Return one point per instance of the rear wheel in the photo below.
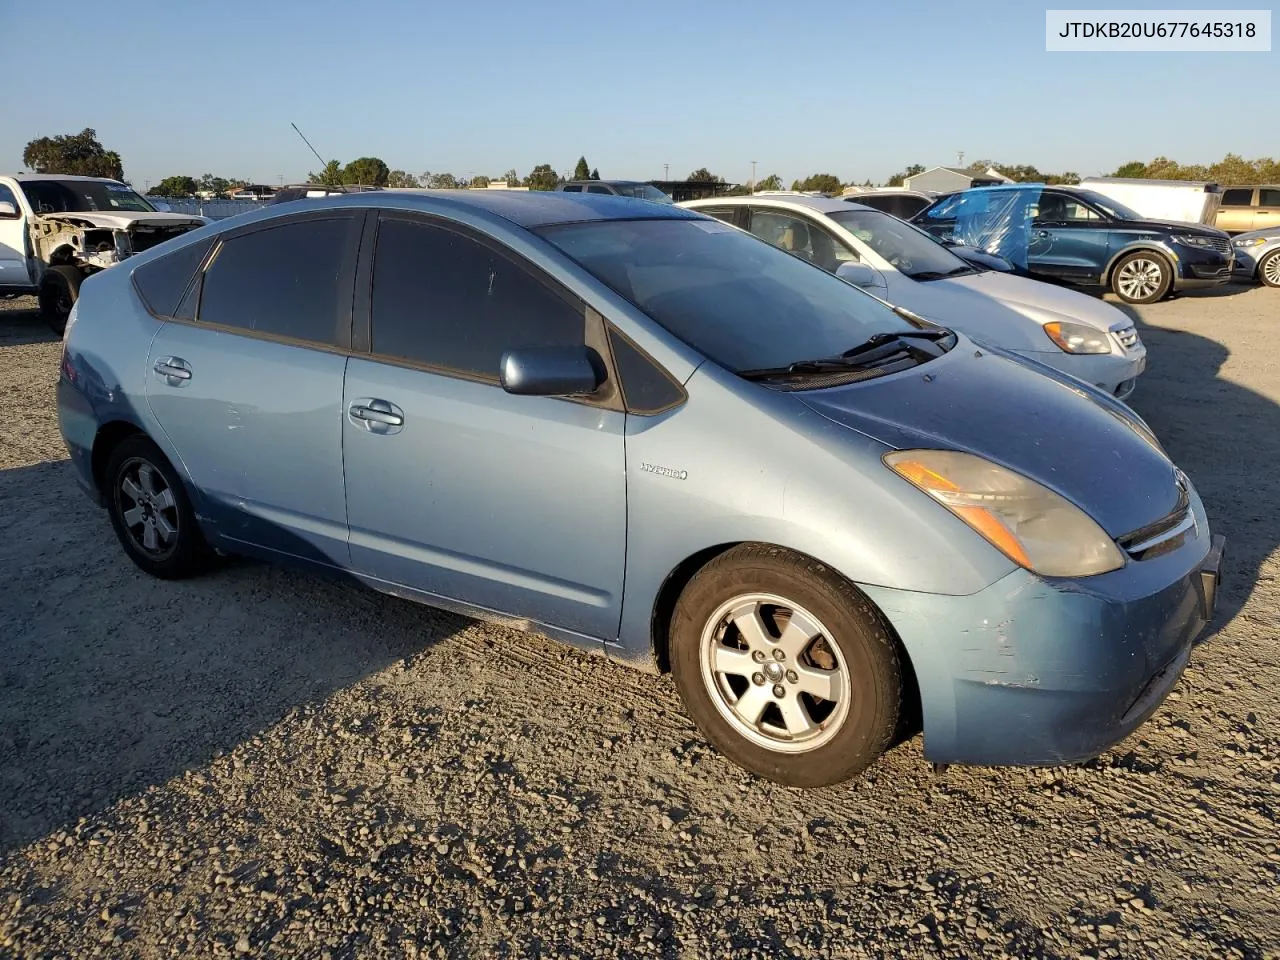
(1142, 277)
(151, 514)
(785, 667)
(1269, 269)
(58, 293)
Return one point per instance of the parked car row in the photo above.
(648, 433)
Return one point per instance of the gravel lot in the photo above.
(263, 764)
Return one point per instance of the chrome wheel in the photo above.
(1139, 278)
(774, 674)
(1269, 273)
(148, 508)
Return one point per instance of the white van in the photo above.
(1190, 201)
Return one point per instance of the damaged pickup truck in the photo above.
(56, 230)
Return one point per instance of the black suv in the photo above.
(1077, 236)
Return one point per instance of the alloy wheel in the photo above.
(1139, 278)
(1271, 270)
(148, 508)
(774, 674)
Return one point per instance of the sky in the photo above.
(857, 89)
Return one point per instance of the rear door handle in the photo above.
(376, 412)
(175, 370)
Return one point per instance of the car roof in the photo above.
(525, 208)
(782, 201)
(617, 183)
(62, 176)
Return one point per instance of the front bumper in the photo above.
(1197, 269)
(1041, 672)
(1114, 373)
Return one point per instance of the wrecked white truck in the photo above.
(56, 230)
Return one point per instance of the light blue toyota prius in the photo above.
(650, 435)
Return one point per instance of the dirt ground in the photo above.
(263, 764)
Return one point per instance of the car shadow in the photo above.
(1218, 432)
(21, 323)
(106, 684)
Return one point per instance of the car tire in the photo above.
(1142, 277)
(805, 631)
(1269, 269)
(58, 293)
(151, 513)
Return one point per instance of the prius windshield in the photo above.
(739, 301)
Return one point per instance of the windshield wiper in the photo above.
(941, 275)
(875, 348)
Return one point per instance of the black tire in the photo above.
(1143, 276)
(184, 555)
(1269, 269)
(59, 291)
(870, 717)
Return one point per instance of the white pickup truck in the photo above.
(56, 230)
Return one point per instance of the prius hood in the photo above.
(1073, 440)
(122, 221)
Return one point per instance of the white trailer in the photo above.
(1190, 201)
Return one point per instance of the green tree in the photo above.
(898, 178)
(330, 176)
(398, 178)
(1134, 168)
(477, 182)
(595, 174)
(214, 185)
(771, 182)
(511, 178)
(822, 182)
(703, 175)
(542, 177)
(369, 171)
(582, 171)
(175, 187)
(78, 154)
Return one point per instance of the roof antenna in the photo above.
(308, 143)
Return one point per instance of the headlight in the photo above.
(1031, 525)
(1251, 242)
(1078, 338)
(1194, 241)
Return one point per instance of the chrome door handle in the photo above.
(377, 411)
(173, 368)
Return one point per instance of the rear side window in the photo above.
(293, 281)
(596, 189)
(573, 188)
(1237, 197)
(446, 300)
(1269, 197)
(162, 282)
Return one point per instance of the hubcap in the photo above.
(774, 673)
(1271, 270)
(148, 508)
(1139, 279)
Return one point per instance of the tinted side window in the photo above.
(1237, 197)
(727, 214)
(593, 188)
(162, 282)
(646, 387)
(291, 281)
(573, 188)
(446, 300)
(1269, 197)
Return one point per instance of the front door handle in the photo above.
(174, 370)
(376, 411)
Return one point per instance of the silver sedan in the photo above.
(1258, 256)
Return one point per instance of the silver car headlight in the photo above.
(1078, 337)
(1251, 242)
(1030, 524)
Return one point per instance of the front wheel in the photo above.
(1269, 269)
(1142, 277)
(785, 667)
(58, 292)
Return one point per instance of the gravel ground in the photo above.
(263, 764)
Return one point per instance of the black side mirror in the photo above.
(551, 371)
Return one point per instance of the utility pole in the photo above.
(666, 171)
(960, 158)
(753, 176)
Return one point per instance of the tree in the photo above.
(898, 178)
(330, 176)
(542, 178)
(582, 171)
(595, 174)
(822, 182)
(369, 171)
(1134, 168)
(217, 186)
(175, 187)
(512, 178)
(78, 154)
(703, 175)
(771, 182)
(478, 182)
(398, 178)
